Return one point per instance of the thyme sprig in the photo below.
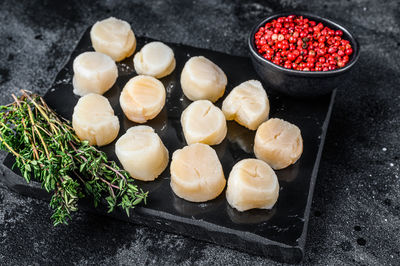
(47, 149)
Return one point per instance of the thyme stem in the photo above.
(48, 150)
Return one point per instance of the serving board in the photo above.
(279, 233)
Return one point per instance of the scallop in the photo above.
(93, 73)
(196, 173)
(247, 104)
(142, 153)
(203, 122)
(201, 79)
(113, 37)
(94, 120)
(155, 59)
(142, 98)
(252, 184)
(278, 143)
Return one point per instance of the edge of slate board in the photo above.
(197, 229)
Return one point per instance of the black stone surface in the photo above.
(356, 206)
(279, 233)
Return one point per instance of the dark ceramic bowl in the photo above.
(302, 83)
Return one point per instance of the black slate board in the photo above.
(279, 233)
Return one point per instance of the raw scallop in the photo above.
(142, 98)
(247, 104)
(93, 73)
(201, 79)
(278, 143)
(113, 37)
(196, 173)
(252, 184)
(154, 59)
(94, 120)
(203, 122)
(142, 153)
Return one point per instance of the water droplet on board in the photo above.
(66, 80)
(124, 68)
(174, 110)
(169, 88)
(280, 229)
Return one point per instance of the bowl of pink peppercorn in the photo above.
(301, 54)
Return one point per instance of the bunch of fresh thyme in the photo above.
(47, 149)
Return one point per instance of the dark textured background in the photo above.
(355, 217)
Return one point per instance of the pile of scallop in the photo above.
(196, 172)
